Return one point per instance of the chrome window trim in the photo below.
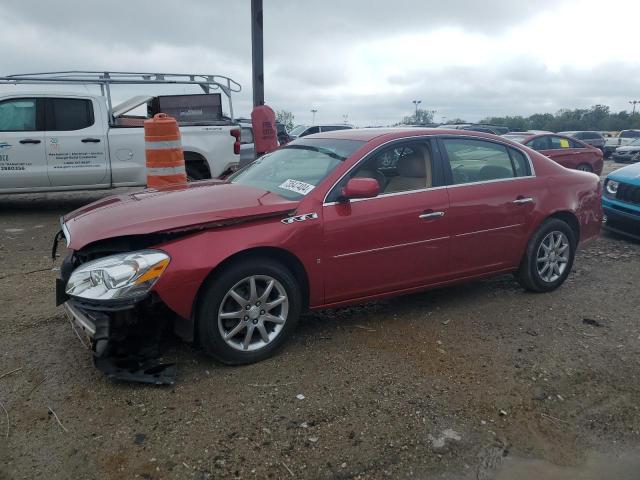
(385, 195)
(431, 136)
(495, 180)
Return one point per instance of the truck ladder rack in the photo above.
(106, 79)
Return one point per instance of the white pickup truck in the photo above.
(57, 142)
(65, 142)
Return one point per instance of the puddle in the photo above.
(597, 466)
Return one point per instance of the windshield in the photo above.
(295, 170)
(298, 130)
(630, 134)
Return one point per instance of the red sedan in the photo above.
(328, 220)
(568, 152)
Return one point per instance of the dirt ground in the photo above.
(478, 381)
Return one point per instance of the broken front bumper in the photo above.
(124, 339)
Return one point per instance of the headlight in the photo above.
(124, 276)
(611, 188)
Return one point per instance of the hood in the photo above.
(172, 209)
(629, 174)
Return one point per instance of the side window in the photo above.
(329, 128)
(66, 114)
(400, 168)
(246, 135)
(477, 161)
(310, 131)
(558, 143)
(18, 115)
(540, 143)
(520, 163)
(574, 144)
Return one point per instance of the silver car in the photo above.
(595, 139)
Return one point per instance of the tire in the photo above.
(248, 316)
(532, 274)
(193, 172)
(584, 167)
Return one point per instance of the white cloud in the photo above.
(366, 59)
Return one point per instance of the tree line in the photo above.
(597, 117)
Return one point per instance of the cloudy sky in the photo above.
(365, 59)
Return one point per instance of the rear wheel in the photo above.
(584, 167)
(248, 311)
(194, 172)
(549, 257)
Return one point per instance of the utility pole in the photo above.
(257, 52)
(416, 103)
(313, 111)
(634, 103)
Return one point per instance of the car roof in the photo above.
(368, 134)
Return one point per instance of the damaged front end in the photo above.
(109, 301)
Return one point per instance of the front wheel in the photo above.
(549, 257)
(584, 167)
(248, 311)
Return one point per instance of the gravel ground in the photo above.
(478, 381)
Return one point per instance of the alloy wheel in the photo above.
(253, 313)
(553, 256)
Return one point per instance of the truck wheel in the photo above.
(248, 311)
(548, 258)
(193, 172)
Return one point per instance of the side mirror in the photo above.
(361, 188)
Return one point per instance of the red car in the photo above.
(328, 220)
(568, 152)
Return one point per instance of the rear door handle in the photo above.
(523, 200)
(90, 140)
(30, 140)
(431, 215)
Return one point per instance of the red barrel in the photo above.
(163, 151)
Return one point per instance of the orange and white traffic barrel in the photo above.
(163, 151)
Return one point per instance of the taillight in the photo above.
(236, 145)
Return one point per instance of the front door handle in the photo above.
(90, 140)
(523, 200)
(431, 215)
(30, 140)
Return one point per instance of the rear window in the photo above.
(65, 114)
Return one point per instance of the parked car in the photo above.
(568, 152)
(480, 128)
(595, 139)
(629, 153)
(477, 127)
(621, 201)
(328, 220)
(624, 138)
(304, 130)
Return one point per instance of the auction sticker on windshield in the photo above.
(297, 186)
